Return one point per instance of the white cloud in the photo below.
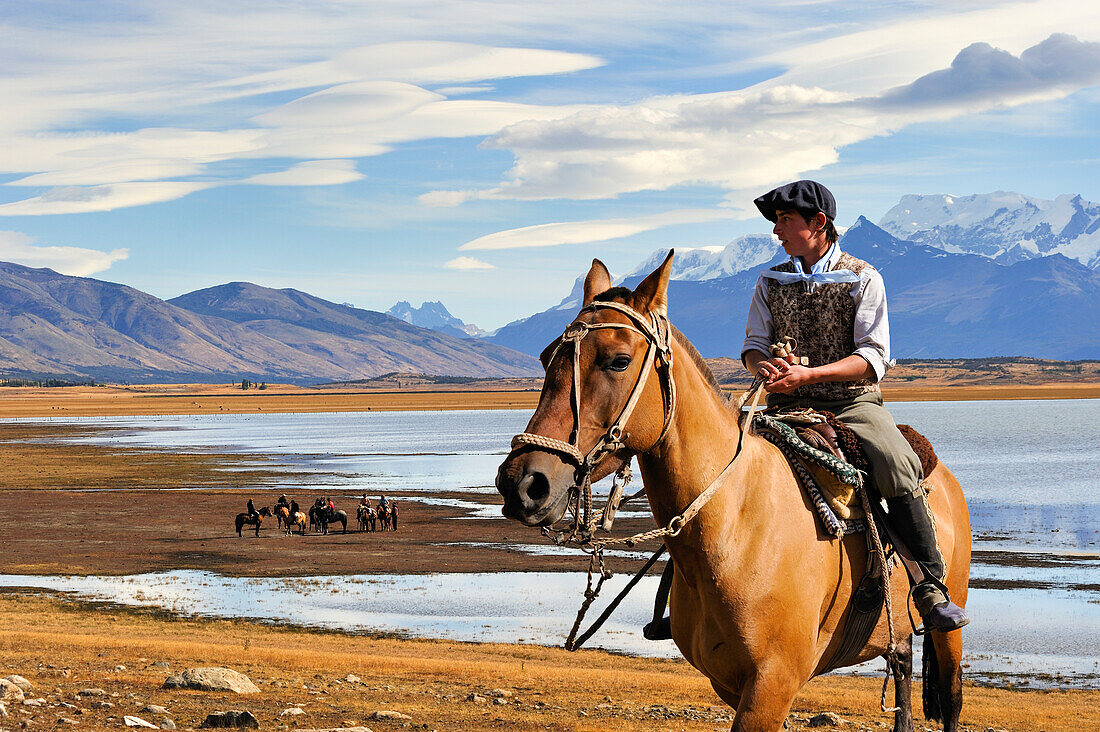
(310, 173)
(744, 140)
(467, 263)
(18, 247)
(417, 62)
(584, 232)
(74, 199)
(446, 199)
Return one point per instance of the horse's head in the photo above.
(602, 400)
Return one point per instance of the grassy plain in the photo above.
(63, 647)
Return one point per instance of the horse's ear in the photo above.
(597, 281)
(651, 294)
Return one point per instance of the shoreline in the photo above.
(338, 678)
(152, 400)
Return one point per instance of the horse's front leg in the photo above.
(902, 669)
(766, 699)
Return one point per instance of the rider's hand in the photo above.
(774, 368)
(791, 376)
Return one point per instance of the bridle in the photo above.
(657, 332)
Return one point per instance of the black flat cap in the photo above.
(805, 196)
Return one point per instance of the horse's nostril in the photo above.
(536, 486)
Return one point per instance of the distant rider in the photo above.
(251, 509)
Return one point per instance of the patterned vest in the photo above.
(823, 323)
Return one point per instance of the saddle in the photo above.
(829, 461)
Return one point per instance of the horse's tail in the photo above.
(930, 673)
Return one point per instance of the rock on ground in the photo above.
(9, 692)
(232, 718)
(292, 712)
(387, 714)
(91, 692)
(212, 679)
(167, 724)
(154, 709)
(825, 719)
(20, 682)
(131, 721)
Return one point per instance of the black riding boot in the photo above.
(660, 628)
(909, 516)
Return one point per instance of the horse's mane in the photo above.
(696, 358)
(700, 364)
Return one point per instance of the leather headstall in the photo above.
(657, 332)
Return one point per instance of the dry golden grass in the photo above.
(62, 647)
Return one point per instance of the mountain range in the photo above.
(53, 324)
(996, 274)
(435, 315)
(1004, 226)
(942, 304)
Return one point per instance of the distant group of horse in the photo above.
(318, 518)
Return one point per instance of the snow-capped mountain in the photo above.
(708, 263)
(1004, 226)
(942, 304)
(434, 315)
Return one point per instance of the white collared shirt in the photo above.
(872, 327)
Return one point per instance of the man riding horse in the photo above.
(834, 306)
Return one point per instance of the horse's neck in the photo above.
(699, 445)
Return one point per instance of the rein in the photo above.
(657, 331)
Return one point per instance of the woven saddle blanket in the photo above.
(831, 482)
(832, 479)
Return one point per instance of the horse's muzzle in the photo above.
(534, 494)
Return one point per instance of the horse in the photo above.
(289, 522)
(247, 519)
(384, 517)
(322, 517)
(368, 518)
(760, 593)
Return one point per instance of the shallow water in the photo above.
(539, 607)
(1028, 468)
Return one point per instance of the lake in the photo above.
(1028, 468)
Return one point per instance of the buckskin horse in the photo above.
(246, 519)
(760, 593)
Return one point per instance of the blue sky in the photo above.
(481, 153)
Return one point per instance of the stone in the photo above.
(9, 692)
(102, 705)
(825, 719)
(120, 667)
(160, 664)
(66, 720)
(501, 693)
(132, 721)
(500, 700)
(20, 682)
(233, 718)
(477, 698)
(292, 712)
(34, 702)
(352, 679)
(389, 714)
(212, 679)
(91, 692)
(155, 709)
(3, 710)
(167, 724)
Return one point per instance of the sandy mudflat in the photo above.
(339, 679)
(26, 402)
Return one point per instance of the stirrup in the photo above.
(656, 630)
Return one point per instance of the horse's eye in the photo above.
(619, 363)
